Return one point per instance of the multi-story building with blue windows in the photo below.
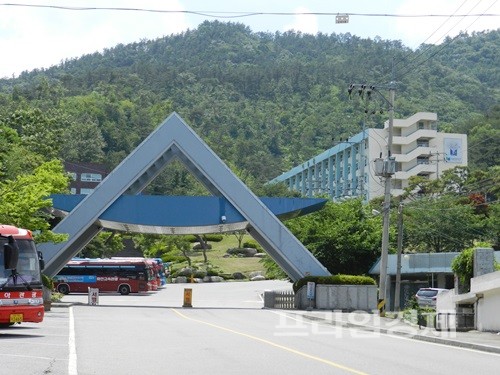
(347, 169)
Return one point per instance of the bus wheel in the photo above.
(124, 289)
(63, 288)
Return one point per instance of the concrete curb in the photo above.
(420, 337)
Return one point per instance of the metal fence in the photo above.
(279, 299)
(451, 321)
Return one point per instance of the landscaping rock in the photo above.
(181, 279)
(257, 278)
(255, 273)
(185, 272)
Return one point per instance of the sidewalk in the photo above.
(483, 341)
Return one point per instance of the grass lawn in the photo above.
(224, 265)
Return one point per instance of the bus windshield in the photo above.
(28, 266)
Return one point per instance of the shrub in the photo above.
(463, 266)
(47, 282)
(334, 280)
(199, 274)
(212, 272)
(213, 237)
(191, 238)
(173, 258)
(186, 271)
(208, 237)
(251, 244)
(273, 271)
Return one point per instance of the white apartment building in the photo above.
(347, 169)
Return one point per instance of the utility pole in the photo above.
(384, 168)
(397, 291)
(389, 171)
(436, 154)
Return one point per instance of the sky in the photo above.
(39, 37)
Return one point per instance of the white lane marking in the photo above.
(72, 367)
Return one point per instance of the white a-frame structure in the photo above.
(175, 139)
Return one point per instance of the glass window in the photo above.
(86, 191)
(91, 177)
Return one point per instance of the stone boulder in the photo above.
(186, 271)
(238, 276)
(257, 278)
(255, 273)
(181, 279)
(246, 252)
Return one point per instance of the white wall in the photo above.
(488, 309)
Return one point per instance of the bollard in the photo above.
(188, 295)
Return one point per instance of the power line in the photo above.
(411, 68)
(440, 26)
(233, 14)
(421, 53)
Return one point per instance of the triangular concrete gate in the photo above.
(175, 139)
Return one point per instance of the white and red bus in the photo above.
(21, 295)
(155, 278)
(108, 275)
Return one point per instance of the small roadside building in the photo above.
(422, 270)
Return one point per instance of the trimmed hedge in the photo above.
(208, 237)
(251, 244)
(334, 280)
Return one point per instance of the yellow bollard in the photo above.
(188, 296)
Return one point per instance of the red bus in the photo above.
(107, 275)
(21, 295)
(154, 277)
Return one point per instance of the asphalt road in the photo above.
(225, 332)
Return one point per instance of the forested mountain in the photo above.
(264, 102)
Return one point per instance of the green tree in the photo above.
(82, 141)
(345, 237)
(441, 224)
(25, 202)
(169, 248)
(104, 245)
(451, 213)
(40, 131)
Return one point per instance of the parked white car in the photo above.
(426, 297)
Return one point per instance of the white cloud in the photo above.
(306, 23)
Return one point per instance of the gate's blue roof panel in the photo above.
(187, 212)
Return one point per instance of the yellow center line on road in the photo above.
(318, 359)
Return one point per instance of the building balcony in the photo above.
(413, 120)
(417, 169)
(414, 137)
(419, 151)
